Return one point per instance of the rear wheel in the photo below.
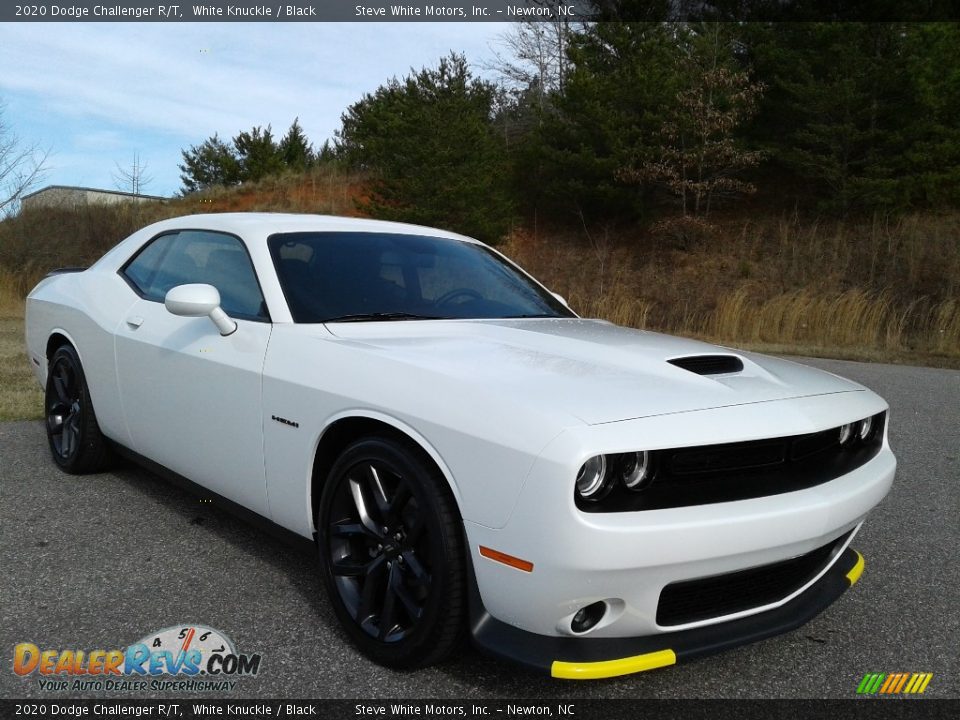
(392, 553)
(76, 442)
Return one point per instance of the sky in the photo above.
(95, 95)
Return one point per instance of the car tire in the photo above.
(392, 553)
(76, 443)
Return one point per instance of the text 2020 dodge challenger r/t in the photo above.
(466, 452)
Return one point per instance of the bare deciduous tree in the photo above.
(21, 167)
(534, 56)
(700, 157)
(132, 179)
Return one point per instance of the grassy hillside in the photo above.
(868, 289)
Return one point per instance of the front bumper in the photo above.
(550, 559)
(626, 559)
(582, 658)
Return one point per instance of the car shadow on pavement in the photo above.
(212, 525)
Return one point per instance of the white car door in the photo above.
(191, 398)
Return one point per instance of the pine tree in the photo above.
(432, 145)
(295, 150)
(209, 164)
(258, 153)
(842, 107)
(623, 78)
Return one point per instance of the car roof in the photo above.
(254, 225)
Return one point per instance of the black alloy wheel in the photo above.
(76, 443)
(391, 543)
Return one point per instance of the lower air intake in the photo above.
(712, 597)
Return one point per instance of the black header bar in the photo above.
(445, 709)
(476, 10)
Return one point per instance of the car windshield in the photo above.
(357, 277)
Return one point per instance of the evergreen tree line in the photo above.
(626, 120)
(252, 155)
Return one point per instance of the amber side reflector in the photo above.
(510, 560)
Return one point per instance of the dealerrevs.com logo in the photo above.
(185, 658)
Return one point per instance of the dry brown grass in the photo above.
(854, 320)
(20, 398)
(14, 288)
(874, 290)
(326, 190)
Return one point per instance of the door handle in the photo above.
(135, 321)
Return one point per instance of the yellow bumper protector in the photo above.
(857, 570)
(612, 668)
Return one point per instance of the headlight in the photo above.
(592, 480)
(855, 434)
(635, 470)
(847, 434)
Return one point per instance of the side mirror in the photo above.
(199, 300)
(561, 298)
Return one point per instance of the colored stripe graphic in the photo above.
(864, 684)
(901, 681)
(870, 683)
(894, 683)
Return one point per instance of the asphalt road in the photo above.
(101, 561)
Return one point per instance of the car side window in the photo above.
(198, 256)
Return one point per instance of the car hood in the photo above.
(589, 369)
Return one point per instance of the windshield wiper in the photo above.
(533, 315)
(382, 317)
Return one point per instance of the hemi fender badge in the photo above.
(291, 423)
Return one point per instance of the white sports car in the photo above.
(465, 452)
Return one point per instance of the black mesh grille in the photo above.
(732, 456)
(712, 597)
(709, 364)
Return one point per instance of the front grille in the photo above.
(738, 471)
(732, 456)
(713, 597)
(709, 364)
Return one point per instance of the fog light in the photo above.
(865, 429)
(592, 478)
(846, 434)
(587, 617)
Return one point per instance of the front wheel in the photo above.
(392, 553)
(76, 442)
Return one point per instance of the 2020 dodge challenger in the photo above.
(466, 452)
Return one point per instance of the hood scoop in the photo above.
(709, 364)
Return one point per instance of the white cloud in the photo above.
(96, 93)
(192, 80)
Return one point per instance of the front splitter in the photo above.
(594, 658)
